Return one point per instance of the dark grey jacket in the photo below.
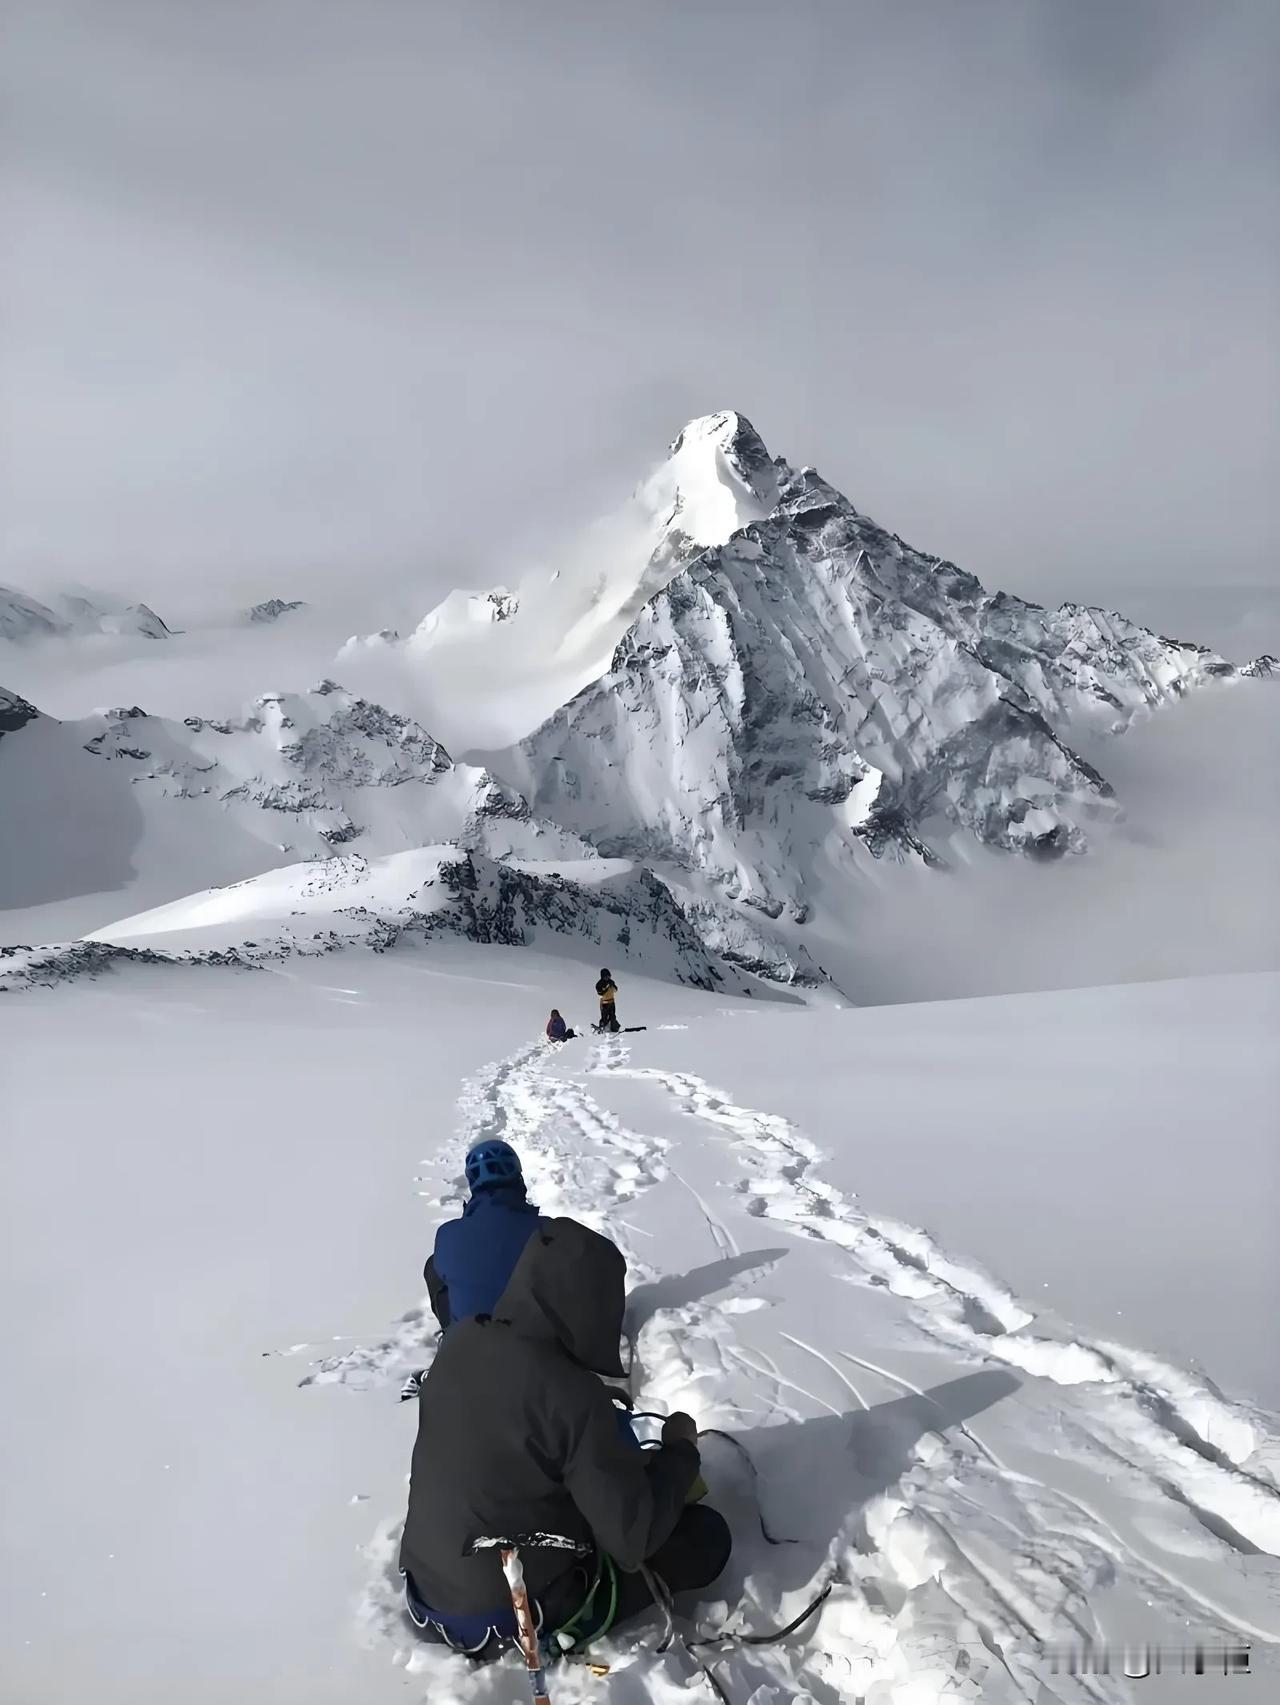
(517, 1435)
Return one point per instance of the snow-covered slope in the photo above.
(73, 614)
(989, 1448)
(810, 686)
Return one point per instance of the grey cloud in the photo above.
(298, 296)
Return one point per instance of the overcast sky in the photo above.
(300, 295)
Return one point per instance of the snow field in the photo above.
(957, 1555)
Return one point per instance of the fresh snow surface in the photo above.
(986, 1289)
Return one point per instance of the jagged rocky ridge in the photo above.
(61, 962)
(812, 686)
(15, 712)
(271, 609)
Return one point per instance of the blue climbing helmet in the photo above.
(492, 1162)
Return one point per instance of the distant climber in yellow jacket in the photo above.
(607, 990)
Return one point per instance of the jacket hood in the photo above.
(510, 1193)
(570, 1285)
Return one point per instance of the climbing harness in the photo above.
(568, 1642)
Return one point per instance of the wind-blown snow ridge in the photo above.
(460, 612)
(717, 478)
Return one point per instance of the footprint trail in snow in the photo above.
(952, 1568)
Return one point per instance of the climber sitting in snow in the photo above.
(557, 1029)
(474, 1256)
(517, 1435)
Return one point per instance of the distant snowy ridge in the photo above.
(810, 685)
(625, 915)
(62, 962)
(298, 773)
(303, 774)
(73, 614)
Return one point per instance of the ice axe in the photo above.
(526, 1632)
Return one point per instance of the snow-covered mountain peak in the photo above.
(718, 477)
(810, 690)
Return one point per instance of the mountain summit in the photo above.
(801, 688)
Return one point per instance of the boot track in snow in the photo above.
(954, 1575)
